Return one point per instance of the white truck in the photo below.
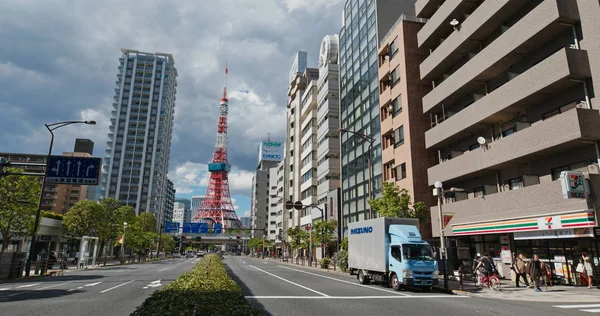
(391, 251)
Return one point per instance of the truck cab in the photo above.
(411, 260)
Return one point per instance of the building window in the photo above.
(515, 183)
(401, 172)
(474, 146)
(399, 136)
(395, 77)
(393, 49)
(396, 106)
(478, 192)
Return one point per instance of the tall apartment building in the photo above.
(196, 202)
(403, 124)
(270, 154)
(57, 198)
(514, 120)
(186, 202)
(301, 156)
(179, 212)
(137, 154)
(169, 202)
(278, 189)
(364, 24)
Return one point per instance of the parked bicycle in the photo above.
(492, 281)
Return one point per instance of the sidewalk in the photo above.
(508, 291)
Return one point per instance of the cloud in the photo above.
(192, 177)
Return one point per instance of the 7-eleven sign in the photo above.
(447, 218)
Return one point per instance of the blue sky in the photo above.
(59, 62)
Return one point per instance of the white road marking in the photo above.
(354, 297)
(86, 285)
(114, 287)
(344, 281)
(119, 271)
(5, 289)
(153, 284)
(265, 262)
(42, 288)
(591, 310)
(296, 284)
(27, 285)
(162, 269)
(244, 262)
(577, 306)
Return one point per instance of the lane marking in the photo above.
(354, 297)
(243, 262)
(288, 281)
(348, 282)
(114, 287)
(86, 285)
(265, 262)
(591, 310)
(577, 306)
(42, 288)
(153, 284)
(162, 269)
(5, 289)
(119, 271)
(27, 285)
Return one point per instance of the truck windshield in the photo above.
(417, 252)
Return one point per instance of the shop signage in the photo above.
(573, 184)
(556, 234)
(546, 223)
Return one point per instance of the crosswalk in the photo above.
(589, 308)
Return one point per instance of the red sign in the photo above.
(447, 218)
(307, 227)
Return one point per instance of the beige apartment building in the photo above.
(515, 123)
(403, 124)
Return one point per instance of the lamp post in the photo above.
(371, 140)
(51, 127)
(439, 192)
(123, 244)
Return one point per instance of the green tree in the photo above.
(255, 243)
(83, 218)
(395, 202)
(140, 233)
(18, 205)
(323, 231)
(167, 244)
(110, 221)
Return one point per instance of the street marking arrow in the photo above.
(153, 284)
(87, 173)
(78, 166)
(57, 167)
(68, 167)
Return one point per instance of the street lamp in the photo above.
(51, 127)
(123, 244)
(371, 140)
(439, 192)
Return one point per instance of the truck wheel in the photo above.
(427, 289)
(395, 283)
(362, 278)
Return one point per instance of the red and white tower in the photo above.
(217, 206)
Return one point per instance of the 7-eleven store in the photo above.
(563, 228)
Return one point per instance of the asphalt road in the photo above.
(115, 290)
(282, 289)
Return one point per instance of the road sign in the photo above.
(298, 205)
(191, 228)
(289, 205)
(172, 227)
(73, 170)
(203, 228)
(307, 227)
(218, 228)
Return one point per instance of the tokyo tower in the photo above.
(217, 208)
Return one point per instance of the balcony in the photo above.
(555, 134)
(535, 200)
(387, 125)
(528, 34)
(473, 30)
(387, 154)
(552, 75)
(426, 8)
(439, 24)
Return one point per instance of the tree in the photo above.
(395, 202)
(323, 231)
(18, 205)
(83, 218)
(167, 244)
(255, 243)
(141, 231)
(110, 221)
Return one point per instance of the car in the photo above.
(176, 255)
(189, 254)
(200, 254)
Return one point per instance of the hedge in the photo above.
(52, 215)
(205, 290)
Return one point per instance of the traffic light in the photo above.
(281, 231)
(239, 237)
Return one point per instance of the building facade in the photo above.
(277, 190)
(169, 202)
(404, 158)
(246, 222)
(179, 212)
(138, 149)
(364, 24)
(514, 113)
(270, 154)
(196, 202)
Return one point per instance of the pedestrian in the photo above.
(520, 270)
(535, 272)
(587, 269)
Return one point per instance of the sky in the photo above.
(58, 62)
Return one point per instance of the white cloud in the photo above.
(190, 177)
(311, 5)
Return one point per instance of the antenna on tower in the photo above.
(225, 85)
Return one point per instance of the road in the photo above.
(115, 290)
(283, 289)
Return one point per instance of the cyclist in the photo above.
(485, 267)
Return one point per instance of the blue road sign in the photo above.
(218, 228)
(172, 227)
(203, 228)
(73, 170)
(191, 228)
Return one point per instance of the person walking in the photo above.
(535, 272)
(520, 270)
(588, 269)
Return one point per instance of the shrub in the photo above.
(341, 258)
(205, 290)
(51, 215)
(325, 263)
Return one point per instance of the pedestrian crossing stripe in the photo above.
(589, 308)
